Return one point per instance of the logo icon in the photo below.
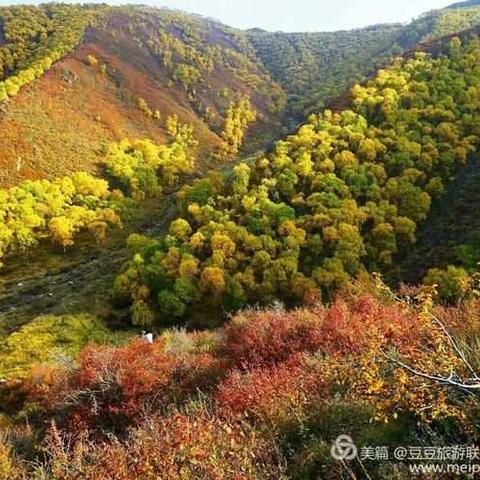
(343, 448)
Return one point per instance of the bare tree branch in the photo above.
(470, 388)
(452, 341)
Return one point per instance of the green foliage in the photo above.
(451, 21)
(46, 340)
(344, 194)
(453, 283)
(311, 68)
(35, 38)
(451, 234)
(200, 191)
(194, 51)
(314, 68)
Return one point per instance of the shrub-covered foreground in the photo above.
(263, 397)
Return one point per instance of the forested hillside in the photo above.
(316, 67)
(69, 73)
(269, 291)
(131, 70)
(345, 194)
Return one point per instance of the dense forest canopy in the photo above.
(33, 38)
(346, 193)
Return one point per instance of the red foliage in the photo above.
(196, 446)
(115, 386)
(271, 336)
(274, 394)
(273, 367)
(463, 320)
(350, 327)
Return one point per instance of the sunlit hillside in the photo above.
(238, 255)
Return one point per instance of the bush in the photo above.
(49, 339)
(182, 446)
(453, 283)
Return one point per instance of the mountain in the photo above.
(93, 75)
(307, 308)
(313, 68)
(131, 69)
(345, 194)
(464, 4)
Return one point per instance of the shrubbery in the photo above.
(143, 168)
(261, 395)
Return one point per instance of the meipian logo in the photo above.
(343, 448)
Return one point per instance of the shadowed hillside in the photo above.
(315, 67)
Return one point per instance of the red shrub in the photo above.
(463, 320)
(274, 394)
(268, 337)
(354, 327)
(115, 386)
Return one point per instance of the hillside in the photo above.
(451, 236)
(264, 397)
(119, 72)
(345, 194)
(207, 275)
(114, 83)
(313, 68)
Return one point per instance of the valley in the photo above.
(226, 253)
(54, 280)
